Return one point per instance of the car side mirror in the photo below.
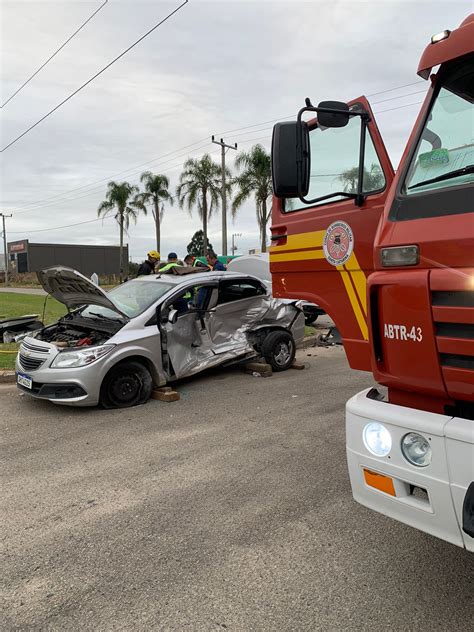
(290, 159)
(173, 316)
(339, 118)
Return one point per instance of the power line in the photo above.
(59, 198)
(54, 54)
(43, 230)
(238, 129)
(248, 140)
(95, 76)
(406, 85)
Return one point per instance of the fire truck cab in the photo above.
(390, 257)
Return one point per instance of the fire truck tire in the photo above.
(279, 349)
(127, 384)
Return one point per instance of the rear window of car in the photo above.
(237, 290)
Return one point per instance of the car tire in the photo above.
(309, 319)
(127, 384)
(279, 350)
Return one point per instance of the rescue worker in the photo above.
(171, 263)
(214, 262)
(148, 266)
(189, 260)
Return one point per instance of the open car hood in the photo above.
(73, 289)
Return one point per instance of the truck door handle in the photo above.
(276, 237)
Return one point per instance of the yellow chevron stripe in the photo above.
(354, 302)
(359, 280)
(301, 240)
(351, 270)
(304, 255)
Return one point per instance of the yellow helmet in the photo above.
(153, 254)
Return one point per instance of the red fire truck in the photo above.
(390, 257)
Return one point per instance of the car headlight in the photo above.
(377, 439)
(80, 357)
(416, 449)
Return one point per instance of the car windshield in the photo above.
(445, 153)
(131, 298)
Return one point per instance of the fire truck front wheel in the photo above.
(278, 349)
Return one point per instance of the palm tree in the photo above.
(117, 199)
(200, 184)
(373, 179)
(156, 193)
(256, 178)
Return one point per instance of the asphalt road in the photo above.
(230, 509)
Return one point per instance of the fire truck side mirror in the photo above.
(290, 159)
(333, 119)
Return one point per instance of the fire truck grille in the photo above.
(453, 316)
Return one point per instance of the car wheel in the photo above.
(126, 384)
(279, 349)
(309, 319)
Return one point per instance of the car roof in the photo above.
(196, 278)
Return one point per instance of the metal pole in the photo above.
(234, 247)
(5, 246)
(224, 204)
(223, 191)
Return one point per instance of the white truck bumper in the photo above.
(428, 498)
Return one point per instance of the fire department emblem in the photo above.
(338, 243)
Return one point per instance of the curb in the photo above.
(7, 377)
(308, 341)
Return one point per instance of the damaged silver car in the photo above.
(114, 347)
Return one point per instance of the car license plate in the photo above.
(24, 380)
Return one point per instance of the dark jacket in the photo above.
(146, 268)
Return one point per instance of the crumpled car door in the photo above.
(228, 323)
(188, 344)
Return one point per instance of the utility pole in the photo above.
(234, 247)
(3, 216)
(223, 191)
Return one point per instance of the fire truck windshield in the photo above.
(445, 153)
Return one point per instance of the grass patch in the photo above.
(12, 305)
(7, 360)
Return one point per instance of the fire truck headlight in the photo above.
(400, 256)
(416, 449)
(377, 439)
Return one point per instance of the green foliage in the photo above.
(196, 245)
(373, 179)
(156, 193)
(200, 186)
(117, 201)
(255, 179)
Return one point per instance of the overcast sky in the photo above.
(212, 68)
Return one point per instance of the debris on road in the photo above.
(298, 366)
(165, 394)
(259, 369)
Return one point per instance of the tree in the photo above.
(373, 179)
(196, 245)
(200, 184)
(156, 193)
(117, 199)
(256, 179)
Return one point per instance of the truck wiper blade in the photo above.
(445, 176)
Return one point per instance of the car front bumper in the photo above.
(73, 387)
